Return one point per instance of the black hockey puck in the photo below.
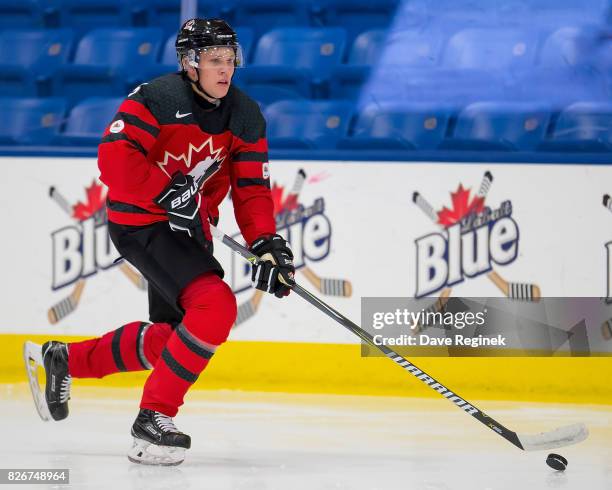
(556, 462)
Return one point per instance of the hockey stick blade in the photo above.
(563, 436)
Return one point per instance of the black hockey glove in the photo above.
(181, 200)
(274, 273)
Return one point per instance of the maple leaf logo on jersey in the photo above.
(208, 160)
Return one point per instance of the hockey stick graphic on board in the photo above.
(63, 308)
(134, 276)
(512, 290)
(560, 437)
(440, 303)
(325, 285)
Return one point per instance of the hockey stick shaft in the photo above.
(391, 354)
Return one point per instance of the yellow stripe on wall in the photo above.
(340, 369)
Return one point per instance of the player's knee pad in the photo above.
(154, 339)
(210, 308)
(137, 345)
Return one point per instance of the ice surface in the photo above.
(260, 441)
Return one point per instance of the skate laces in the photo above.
(65, 389)
(165, 422)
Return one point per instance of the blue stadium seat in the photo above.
(85, 15)
(418, 49)
(265, 95)
(399, 126)
(87, 120)
(451, 88)
(25, 121)
(347, 79)
(569, 47)
(583, 126)
(264, 15)
(356, 16)
(413, 47)
(500, 126)
(559, 13)
(28, 56)
(560, 87)
(166, 14)
(296, 58)
(25, 14)
(246, 38)
(108, 62)
(168, 57)
(491, 49)
(307, 124)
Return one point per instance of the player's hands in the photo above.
(182, 201)
(275, 272)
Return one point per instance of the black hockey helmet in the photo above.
(196, 35)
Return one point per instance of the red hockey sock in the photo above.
(210, 312)
(132, 347)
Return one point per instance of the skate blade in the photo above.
(143, 452)
(32, 356)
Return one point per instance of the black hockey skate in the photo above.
(58, 381)
(157, 441)
(52, 402)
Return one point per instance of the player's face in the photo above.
(216, 68)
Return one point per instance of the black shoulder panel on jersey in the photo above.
(165, 96)
(246, 120)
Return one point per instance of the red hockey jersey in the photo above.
(163, 127)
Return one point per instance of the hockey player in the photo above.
(175, 147)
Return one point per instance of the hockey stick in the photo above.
(512, 290)
(437, 307)
(560, 437)
(66, 306)
(327, 286)
(607, 202)
(135, 277)
(248, 309)
(606, 329)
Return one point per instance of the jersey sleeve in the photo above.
(250, 181)
(122, 153)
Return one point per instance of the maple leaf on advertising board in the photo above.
(96, 196)
(282, 204)
(277, 197)
(462, 206)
